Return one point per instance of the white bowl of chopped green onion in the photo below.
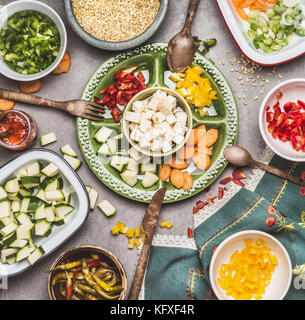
(33, 40)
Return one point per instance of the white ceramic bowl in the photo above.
(73, 221)
(292, 90)
(17, 6)
(281, 277)
(180, 102)
(238, 29)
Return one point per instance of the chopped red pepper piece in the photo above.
(226, 180)
(238, 174)
(220, 193)
(195, 210)
(190, 233)
(239, 183)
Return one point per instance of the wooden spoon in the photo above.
(240, 157)
(181, 49)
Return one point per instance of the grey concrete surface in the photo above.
(32, 284)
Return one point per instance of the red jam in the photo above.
(16, 128)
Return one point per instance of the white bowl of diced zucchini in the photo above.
(42, 203)
(31, 46)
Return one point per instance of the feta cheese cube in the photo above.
(165, 128)
(169, 136)
(138, 106)
(178, 139)
(181, 117)
(156, 133)
(179, 129)
(156, 145)
(171, 101)
(133, 126)
(158, 117)
(148, 114)
(133, 116)
(148, 135)
(171, 119)
(144, 144)
(145, 125)
(166, 146)
(136, 135)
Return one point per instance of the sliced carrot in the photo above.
(195, 134)
(165, 172)
(246, 3)
(186, 152)
(30, 86)
(64, 65)
(177, 178)
(203, 150)
(6, 105)
(188, 184)
(242, 13)
(178, 164)
(201, 161)
(211, 137)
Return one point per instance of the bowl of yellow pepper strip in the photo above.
(250, 265)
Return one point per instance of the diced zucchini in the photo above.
(149, 167)
(11, 260)
(19, 243)
(107, 208)
(49, 213)
(40, 213)
(25, 204)
(6, 221)
(149, 179)
(33, 205)
(12, 227)
(41, 195)
(130, 177)
(104, 150)
(67, 149)
(36, 255)
(59, 221)
(16, 196)
(133, 165)
(22, 172)
(5, 209)
(15, 206)
(12, 185)
(112, 145)
(34, 169)
(24, 232)
(93, 197)
(52, 185)
(73, 162)
(6, 241)
(25, 192)
(55, 195)
(88, 188)
(47, 139)
(103, 134)
(3, 194)
(24, 219)
(5, 253)
(43, 228)
(42, 178)
(62, 210)
(135, 154)
(23, 253)
(119, 162)
(30, 182)
(118, 137)
(50, 170)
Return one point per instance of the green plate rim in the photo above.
(220, 169)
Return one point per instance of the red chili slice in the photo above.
(220, 193)
(190, 233)
(201, 204)
(238, 174)
(239, 183)
(195, 210)
(226, 180)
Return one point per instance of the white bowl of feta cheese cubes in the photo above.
(157, 122)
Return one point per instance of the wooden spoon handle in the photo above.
(30, 99)
(279, 173)
(190, 15)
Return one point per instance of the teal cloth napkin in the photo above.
(177, 272)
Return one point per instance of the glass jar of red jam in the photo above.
(17, 130)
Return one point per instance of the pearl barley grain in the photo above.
(115, 21)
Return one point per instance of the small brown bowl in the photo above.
(81, 252)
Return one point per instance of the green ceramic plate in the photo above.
(151, 60)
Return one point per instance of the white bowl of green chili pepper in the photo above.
(87, 273)
(33, 40)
